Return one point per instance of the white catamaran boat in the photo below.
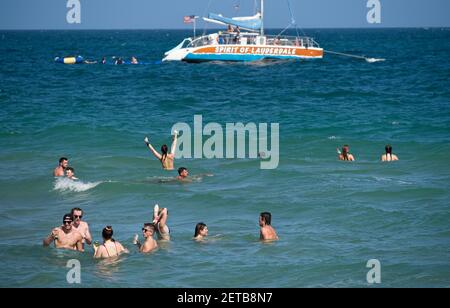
(251, 45)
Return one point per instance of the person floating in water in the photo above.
(389, 156)
(134, 60)
(165, 157)
(267, 232)
(149, 244)
(201, 232)
(70, 173)
(103, 60)
(160, 217)
(110, 247)
(119, 61)
(345, 154)
(81, 226)
(66, 236)
(63, 163)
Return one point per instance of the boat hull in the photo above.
(240, 53)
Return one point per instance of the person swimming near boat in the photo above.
(267, 232)
(110, 247)
(201, 232)
(166, 159)
(70, 174)
(65, 236)
(345, 154)
(119, 61)
(160, 217)
(388, 156)
(134, 60)
(149, 243)
(103, 60)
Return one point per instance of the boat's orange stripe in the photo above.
(252, 50)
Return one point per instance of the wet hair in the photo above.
(150, 225)
(267, 217)
(199, 227)
(164, 150)
(388, 149)
(107, 233)
(76, 209)
(345, 152)
(62, 159)
(70, 169)
(180, 170)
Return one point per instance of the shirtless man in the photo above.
(81, 226)
(149, 244)
(267, 232)
(183, 174)
(160, 217)
(165, 157)
(65, 237)
(70, 174)
(389, 156)
(63, 163)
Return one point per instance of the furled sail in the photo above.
(248, 23)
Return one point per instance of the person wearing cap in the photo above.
(65, 236)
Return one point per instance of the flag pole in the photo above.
(195, 26)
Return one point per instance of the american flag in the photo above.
(189, 19)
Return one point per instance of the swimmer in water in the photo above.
(81, 226)
(103, 60)
(110, 247)
(183, 174)
(63, 163)
(267, 232)
(149, 244)
(119, 61)
(70, 174)
(345, 154)
(389, 156)
(160, 217)
(166, 158)
(134, 60)
(201, 232)
(66, 236)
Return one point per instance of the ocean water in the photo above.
(331, 217)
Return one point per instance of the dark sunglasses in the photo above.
(77, 216)
(146, 230)
(67, 222)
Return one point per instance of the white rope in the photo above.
(370, 60)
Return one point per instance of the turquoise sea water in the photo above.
(332, 217)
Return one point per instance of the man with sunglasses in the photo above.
(65, 237)
(150, 244)
(81, 226)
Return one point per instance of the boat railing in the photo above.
(252, 39)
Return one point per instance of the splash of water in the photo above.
(65, 184)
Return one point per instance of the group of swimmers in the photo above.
(117, 61)
(74, 234)
(63, 169)
(345, 154)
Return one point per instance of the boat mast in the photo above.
(262, 17)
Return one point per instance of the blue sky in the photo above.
(163, 14)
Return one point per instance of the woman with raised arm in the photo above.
(165, 157)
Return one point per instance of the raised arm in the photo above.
(50, 239)
(157, 155)
(162, 219)
(174, 143)
(88, 236)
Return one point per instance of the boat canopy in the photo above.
(252, 23)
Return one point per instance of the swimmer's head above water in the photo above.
(67, 222)
(201, 230)
(265, 219)
(183, 172)
(148, 230)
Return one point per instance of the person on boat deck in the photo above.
(63, 163)
(110, 247)
(134, 60)
(345, 154)
(70, 173)
(389, 156)
(277, 41)
(160, 217)
(230, 29)
(165, 158)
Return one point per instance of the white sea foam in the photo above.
(373, 60)
(65, 184)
